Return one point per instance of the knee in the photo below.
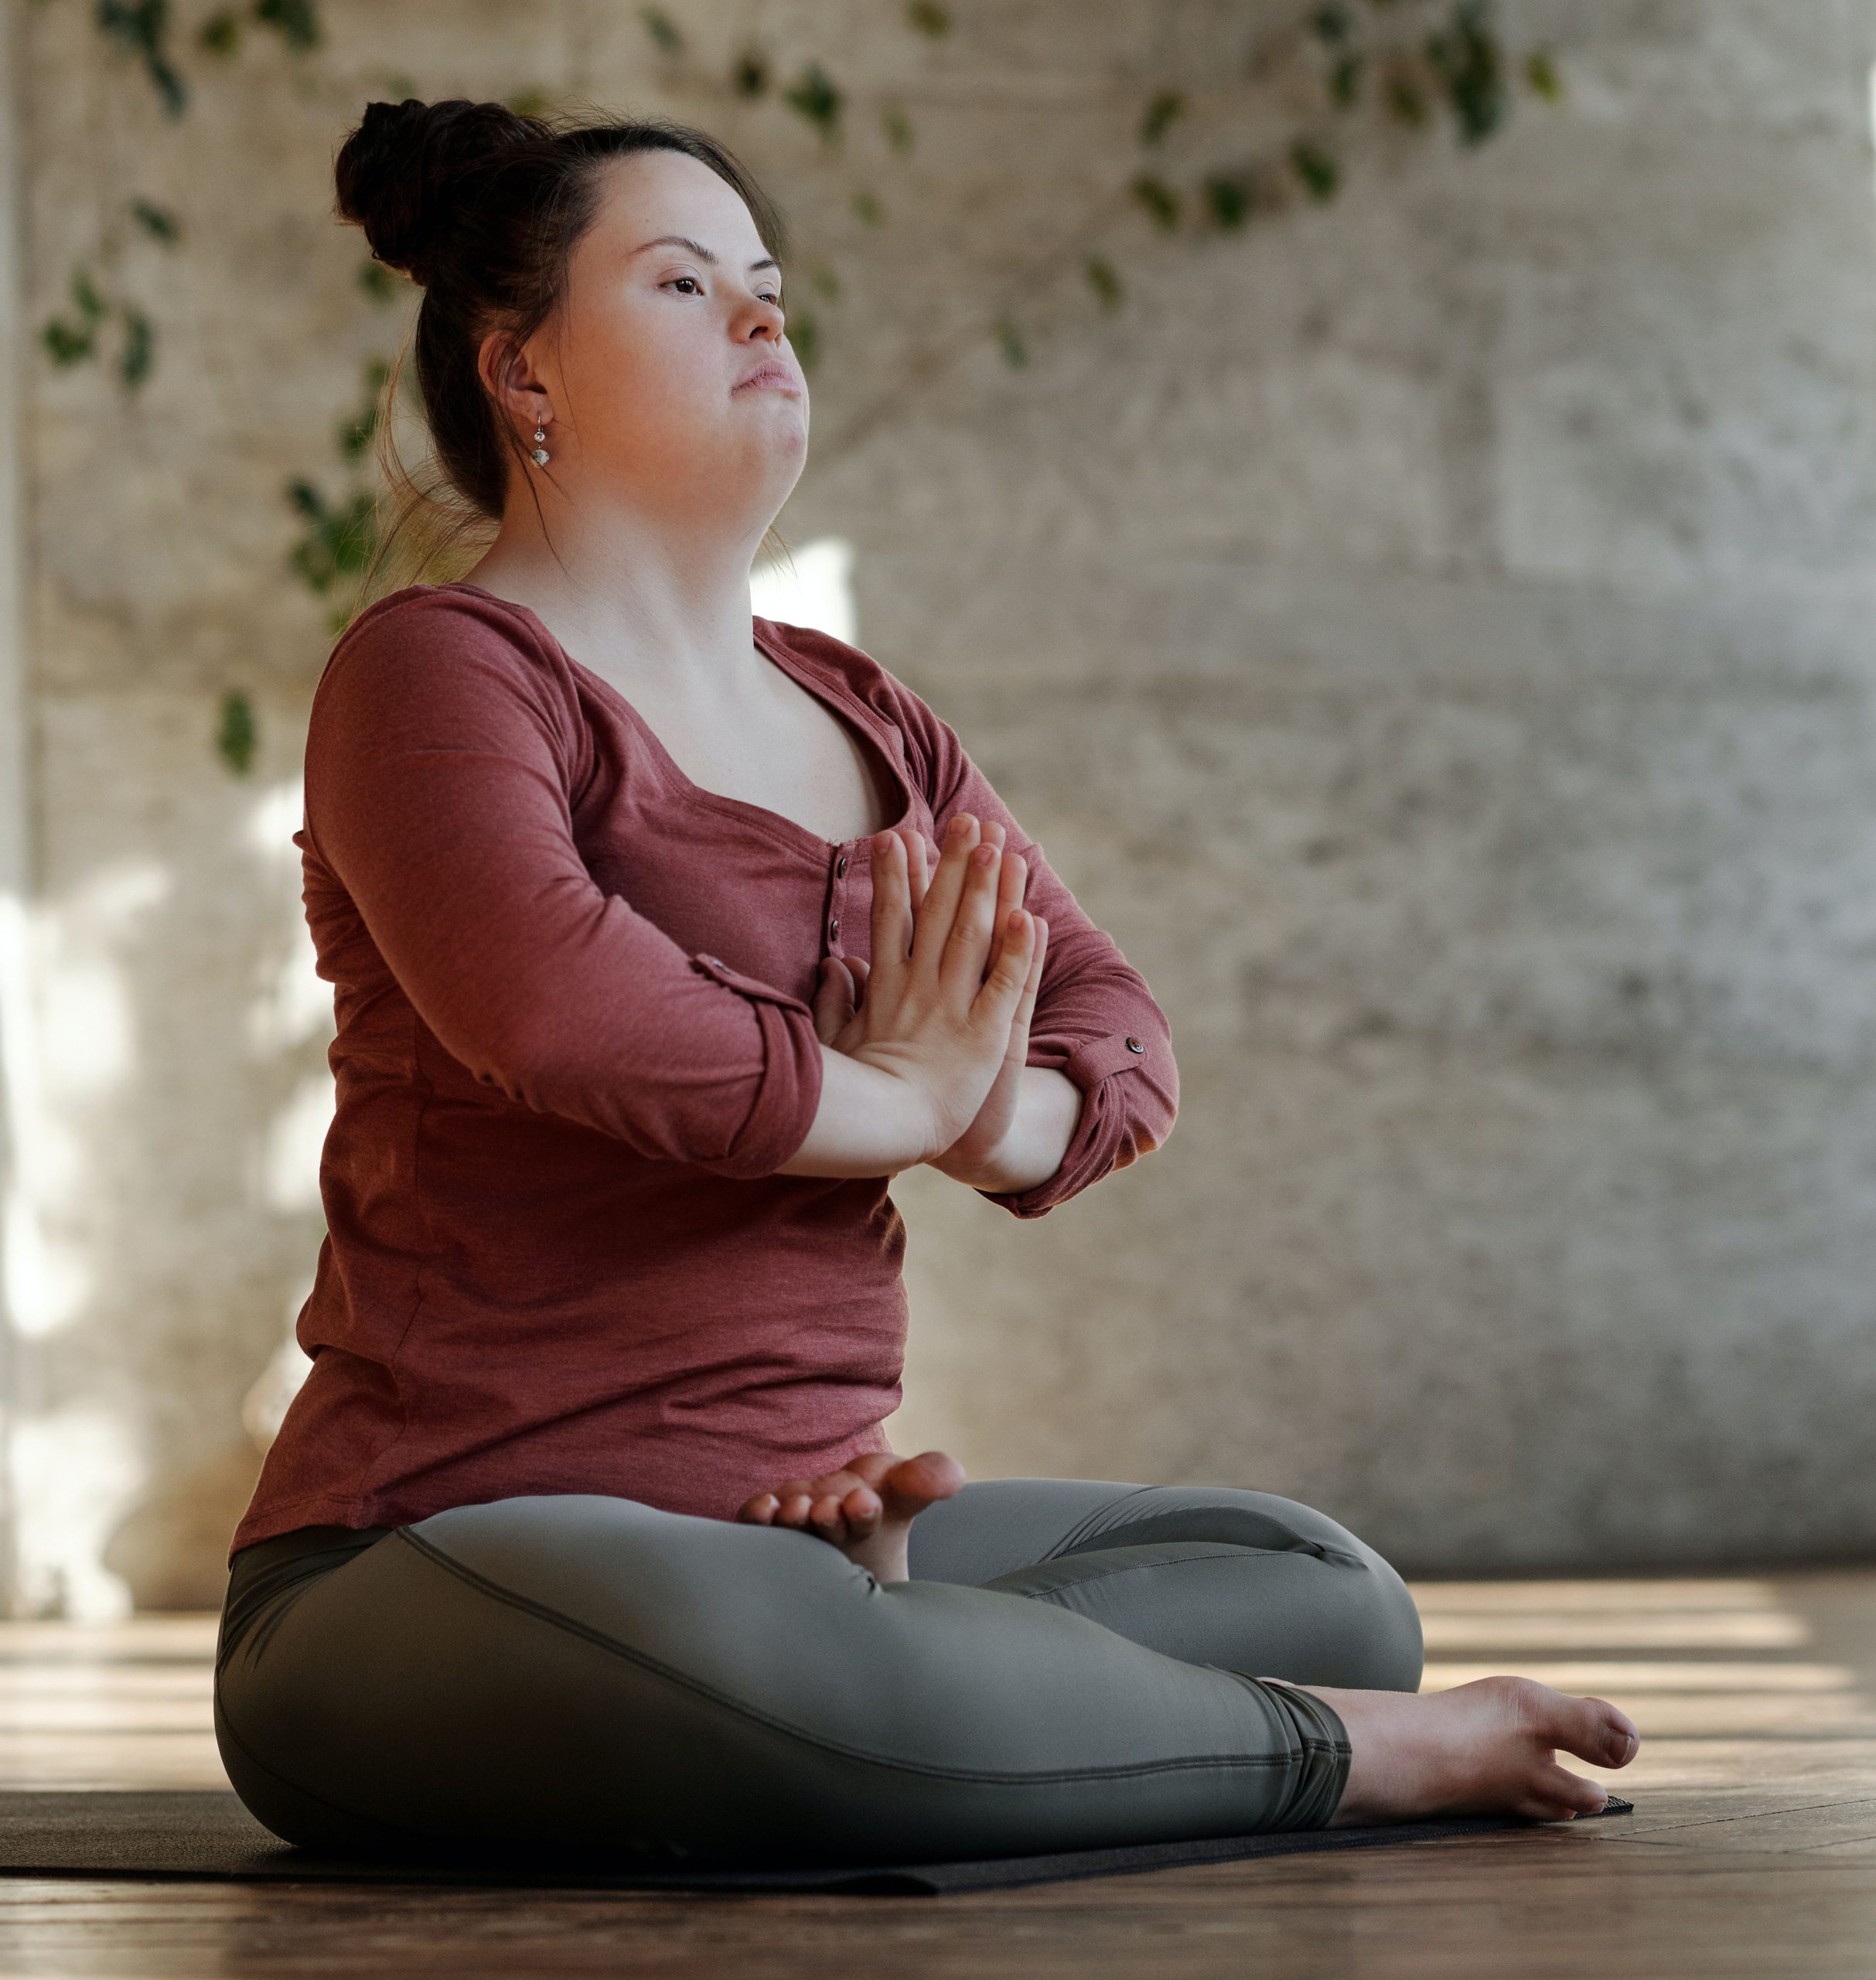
(1385, 1650)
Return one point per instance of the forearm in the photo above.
(1048, 1111)
(867, 1123)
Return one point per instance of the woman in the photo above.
(662, 937)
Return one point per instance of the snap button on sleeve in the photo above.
(1134, 1045)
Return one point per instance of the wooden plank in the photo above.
(1753, 1853)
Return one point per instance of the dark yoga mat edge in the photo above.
(206, 1833)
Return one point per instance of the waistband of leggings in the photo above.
(300, 1541)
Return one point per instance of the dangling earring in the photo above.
(540, 453)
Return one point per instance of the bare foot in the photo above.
(866, 1509)
(1485, 1748)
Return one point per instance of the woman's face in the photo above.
(645, 371)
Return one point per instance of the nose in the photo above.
(768, 317)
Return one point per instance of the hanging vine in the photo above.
(1414, 66)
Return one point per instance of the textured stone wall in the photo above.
(1431, 633)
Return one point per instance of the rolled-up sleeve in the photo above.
(1095, 1021)
(440, 760)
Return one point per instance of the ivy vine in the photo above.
(1414, 64)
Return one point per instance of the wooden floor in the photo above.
(1752, 1852)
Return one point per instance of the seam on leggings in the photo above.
(1114, 1574)
(756, 1715)
(1084, 1526)
(1146, 1532)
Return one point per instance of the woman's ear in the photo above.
(508, 374)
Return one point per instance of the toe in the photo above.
(914, 1483)
(1555, 1794)
(828, 1516)
(1621, 1738)
(1592, 1728)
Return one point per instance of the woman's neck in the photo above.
(640, 600)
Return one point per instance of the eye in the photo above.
(676, 279)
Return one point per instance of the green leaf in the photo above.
(662, 29)
(867, 207)
(1015, 352)
(1161, 113)
(139, 346)
(357, 430)
(928, 17)
(1106, 282)
(1230, 197)
(1332, 23)
(68, 344)
(1317, 168)
(235, 732)
(220, 34)
(1466, 57)
(140, 29)
(804, 336)
(340, 540)
(86, 296)
(297, 22)
(816, 96)
(750, 73)
(827, 282)
(897, 126)
(1159, 199)
(380, 283)
(1542, 76)
(157, 221)
(1344, 81)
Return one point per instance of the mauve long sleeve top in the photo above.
(573, 1045)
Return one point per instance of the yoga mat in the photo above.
(207, 1832)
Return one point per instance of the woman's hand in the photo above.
(950, 975)
(843, 988)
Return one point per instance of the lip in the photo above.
(769, 372)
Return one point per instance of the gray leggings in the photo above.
(1073, 1665)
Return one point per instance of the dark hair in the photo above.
(482, 207)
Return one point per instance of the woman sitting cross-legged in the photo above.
(663, 936)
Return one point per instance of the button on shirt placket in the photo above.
(836, 898)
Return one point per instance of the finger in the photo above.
(1025, 1001)
(1010, 884)
(760, 1511)
(834, 998)
(932, 929)
(918, 866)
(995, 1003)
(967, 950)
(891, 917)
(1032, 984)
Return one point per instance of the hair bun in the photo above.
(397, 174)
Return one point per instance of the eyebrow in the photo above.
(702, 253)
